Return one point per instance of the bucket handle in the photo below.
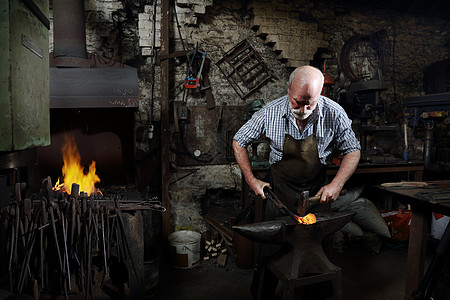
(186, 247)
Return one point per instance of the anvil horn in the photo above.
(269, 232)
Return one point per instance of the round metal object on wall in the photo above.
(363, 55)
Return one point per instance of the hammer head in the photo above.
(306, 202)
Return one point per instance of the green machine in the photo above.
(24, 74)
(256, 162)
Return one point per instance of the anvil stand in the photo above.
(305, 263)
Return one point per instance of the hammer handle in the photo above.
(317, 198)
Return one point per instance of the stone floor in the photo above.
(365, 276)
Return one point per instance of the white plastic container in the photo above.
(184, 248)
(438, 225)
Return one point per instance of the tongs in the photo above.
(272, 197)
(152, 204)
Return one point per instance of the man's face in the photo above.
(303, 100)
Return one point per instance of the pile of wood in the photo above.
(216, 249)
(217, 243)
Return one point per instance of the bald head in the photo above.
(306, 75)
(304, 87)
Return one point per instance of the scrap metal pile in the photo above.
(62, 245)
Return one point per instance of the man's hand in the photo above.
(258, 186)
(328, 193)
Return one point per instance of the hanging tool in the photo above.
(206, 86)
(219, 131)
(191, 80)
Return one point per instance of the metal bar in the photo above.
(37, 12)
(272, 197)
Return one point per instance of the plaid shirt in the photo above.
(334, 130)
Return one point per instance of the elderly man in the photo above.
(303, 127)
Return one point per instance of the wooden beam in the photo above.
(165, 132)
(416, 250)
(162, 57)
(226, 233)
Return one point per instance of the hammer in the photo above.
(309, 202)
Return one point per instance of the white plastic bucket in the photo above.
(184, 248)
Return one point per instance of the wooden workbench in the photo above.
(421, 209)
(413, 170)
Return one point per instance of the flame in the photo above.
(73, 171)
(307, 220)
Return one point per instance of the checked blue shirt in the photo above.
(334, 128)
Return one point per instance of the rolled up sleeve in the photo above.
(346, 140)
(251, 130)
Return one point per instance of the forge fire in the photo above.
(73, 171)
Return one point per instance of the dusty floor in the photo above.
(365, 276)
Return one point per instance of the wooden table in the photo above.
(413, 170)
(421, 209)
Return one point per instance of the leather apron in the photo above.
(299, 170)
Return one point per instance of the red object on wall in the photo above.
(328, 81)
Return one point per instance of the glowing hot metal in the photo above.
(308, 219)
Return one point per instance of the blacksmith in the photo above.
(304, 128)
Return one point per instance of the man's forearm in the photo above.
(241, 155)
(347, 168)
(256, 185)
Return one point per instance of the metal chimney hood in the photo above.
(79, 79)
(94, 88)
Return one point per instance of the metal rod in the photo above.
(272, 197)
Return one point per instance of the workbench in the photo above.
(413, 170)
(422, 203)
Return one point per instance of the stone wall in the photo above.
(283, 27)
(284, 33)
(216, 31)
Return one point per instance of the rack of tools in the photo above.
(65, 244)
